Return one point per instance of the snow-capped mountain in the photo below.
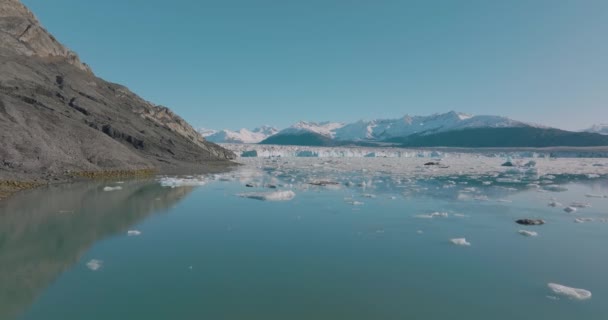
(241, 136)
(422, 125)
(327, 129)
(390, 128)
(601, 128)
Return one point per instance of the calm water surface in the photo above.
(205, 253)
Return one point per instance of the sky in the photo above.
(245, 63)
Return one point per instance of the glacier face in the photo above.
(287, 151)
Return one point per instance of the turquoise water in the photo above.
(205, 253)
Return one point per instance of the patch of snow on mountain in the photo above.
(601, 128)
(408, 125)
(242, 136)
(323, 128)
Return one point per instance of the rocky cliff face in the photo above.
(23, 33)
(57, 116)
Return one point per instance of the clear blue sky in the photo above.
(232, 64)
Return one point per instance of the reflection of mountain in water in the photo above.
(44, 232)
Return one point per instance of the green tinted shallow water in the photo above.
(204, 253)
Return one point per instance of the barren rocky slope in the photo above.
(57, 117)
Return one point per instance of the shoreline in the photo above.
(16, 183)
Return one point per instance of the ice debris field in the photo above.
(475, 180)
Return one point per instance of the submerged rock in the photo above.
(530, 222)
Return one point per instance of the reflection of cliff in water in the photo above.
(44, 232)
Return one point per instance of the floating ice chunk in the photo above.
(570, 209)
(459, 215)
(419, 232)
(555, 188)
(572, 293)
(593, 176)
(112, 188)
(552, 298)
(528, 233)
(589, 195)
(555, 204)
(432, 215)
(120, 182)
(504, 200)
(580, 205)
(133, 233)
(487, 183)
(181, 182)
(481, 198)
(94, 264)
(269, 196)
(460, 242)
(583, 220)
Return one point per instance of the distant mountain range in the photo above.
(256, 135)
(451, 129)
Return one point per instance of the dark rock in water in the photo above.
(432, 163)
(324, 183)
(57, 116)
(508, 164)
(530, 222)
(271, 186)
(249, 185)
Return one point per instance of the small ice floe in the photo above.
(432, 215)
(572, 293)
(133, 233)
(481, 198)
(593, 176)
(94, 264)
(555, 188)
(528, 233)
(112, 188)
(570, 209)
(419, 231)
(590, 195)
(120, 182)
(554, 204)
(552, 298)
(356, 203)
(368, 195)
(459, 215)
(580, 205)
(504, 200)
(269, 196)
(583, 220)
(487, 183)
(392, 197)
(460, 242)
(181, 182)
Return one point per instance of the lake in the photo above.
(264, 242)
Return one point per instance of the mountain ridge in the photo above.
(57, 117)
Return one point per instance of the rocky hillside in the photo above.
(57, 116)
